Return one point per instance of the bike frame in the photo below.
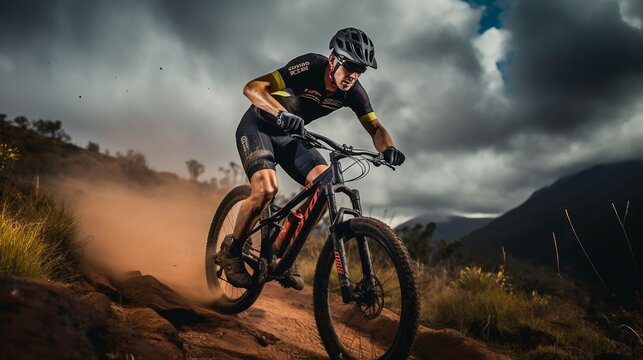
(321, 193)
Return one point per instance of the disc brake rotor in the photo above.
(371, 297)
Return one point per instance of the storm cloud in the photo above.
(486, 115)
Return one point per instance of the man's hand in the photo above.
(393, 156)
(290, 123)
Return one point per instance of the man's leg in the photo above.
(263, 186)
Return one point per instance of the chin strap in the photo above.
(331, 73)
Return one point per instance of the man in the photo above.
(308, 87)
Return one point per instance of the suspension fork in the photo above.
(338, 229)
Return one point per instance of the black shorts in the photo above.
(262, 145)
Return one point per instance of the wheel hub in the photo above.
(370, 297)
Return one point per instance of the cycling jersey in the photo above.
(302, 91)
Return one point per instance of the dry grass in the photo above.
(37, 235)
(486, 306)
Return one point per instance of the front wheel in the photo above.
(384, 323)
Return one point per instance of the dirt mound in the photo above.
(449, 344)
(45, 320)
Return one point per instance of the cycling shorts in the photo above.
(263, 145)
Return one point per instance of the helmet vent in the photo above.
(358, 51)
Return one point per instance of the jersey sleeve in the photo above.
(296, 74)
(360, 103)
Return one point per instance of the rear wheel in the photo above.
(230, 299)
(383, 324)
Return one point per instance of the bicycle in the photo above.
(374, 295)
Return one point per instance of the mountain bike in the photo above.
(369, 307)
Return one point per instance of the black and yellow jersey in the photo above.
(302, 91)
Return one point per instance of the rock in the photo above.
(43, 320)
(101, 303)
(130, 274)
(81, 287)
(147, 291)
(46, 320)
(104, 284)
(149, 322)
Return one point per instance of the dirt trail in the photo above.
(281, 325)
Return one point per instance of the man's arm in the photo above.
(381, 138)
(258, 92)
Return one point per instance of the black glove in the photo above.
(290, 123)
(393, 156)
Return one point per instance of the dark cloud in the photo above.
(22, 23)
(574, 64)
(449, 45)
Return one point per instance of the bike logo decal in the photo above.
(313, 201)
(338, 263)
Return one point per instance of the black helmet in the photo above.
(355, 45)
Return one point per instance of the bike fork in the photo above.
(341, 263)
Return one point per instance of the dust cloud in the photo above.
(159, 230)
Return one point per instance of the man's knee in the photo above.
(315, 172)
(264, 186)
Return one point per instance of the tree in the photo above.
(22, 122)
(195, 169)
(417, 239)
(93, 147)
(444, 249)
(3, 118)
(52, 129)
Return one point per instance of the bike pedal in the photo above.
(263, 271)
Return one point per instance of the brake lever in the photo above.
(380, 161)
(309, 141)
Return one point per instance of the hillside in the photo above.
(452, 228)
(525, 232)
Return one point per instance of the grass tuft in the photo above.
(37, 235)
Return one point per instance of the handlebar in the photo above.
(313, 140)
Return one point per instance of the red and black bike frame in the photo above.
(321, 193)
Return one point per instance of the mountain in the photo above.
(451, 229)
(526, 231)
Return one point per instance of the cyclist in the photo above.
(308, 87)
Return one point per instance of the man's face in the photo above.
(344, 78)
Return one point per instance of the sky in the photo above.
(489, 100)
